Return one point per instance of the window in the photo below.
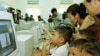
(35, 11)
(63, 7)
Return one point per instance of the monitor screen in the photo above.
(7, 38)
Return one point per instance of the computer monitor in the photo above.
(12, 44)
(7, 34)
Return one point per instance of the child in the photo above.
(62, 35)
(86, 34)
(91, 49)
(76, 46)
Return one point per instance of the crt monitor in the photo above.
(7, 36)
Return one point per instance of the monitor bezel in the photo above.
(5, 16)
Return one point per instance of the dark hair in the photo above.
(82, 13)
(88, 1)
(88, 34)
(73, 9)
(78, 43)
(92, 48)
(53, 10)
(18, 10)
(31, 15)
(64, 15)
(11, 9)
(50, 19)
(65, 32)
(98, 16)
(80, 9)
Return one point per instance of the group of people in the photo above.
(58, 18)
(82, 38)
(16, 16)
(16, 13)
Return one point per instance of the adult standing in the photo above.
(93, 8)
(56, 17)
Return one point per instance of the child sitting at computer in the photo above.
(60, 38)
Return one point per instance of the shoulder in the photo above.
(61, 51)
(89, 18)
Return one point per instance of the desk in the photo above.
(37, 53)
(24, 32)
(23, 37)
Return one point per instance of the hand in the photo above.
(46, 43)
(76, 36)
(44, 29)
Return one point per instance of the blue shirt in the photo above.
(56, 22)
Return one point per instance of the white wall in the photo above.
(22, 4)
(46, 6)
(7, 3)
(77, 1)
(17, 4)
(33, 10)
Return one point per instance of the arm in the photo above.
(87, 22)
(44, 52)
(46, 31)
(58, 17)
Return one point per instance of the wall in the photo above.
(46, 6)
(17, 4)
(22, 4)
(77, 1)
(7, 3)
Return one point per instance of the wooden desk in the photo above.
(37, 53)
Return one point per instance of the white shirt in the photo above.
(61, 51)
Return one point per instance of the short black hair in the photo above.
(88, 1)
(92, 48)
(73, 9)
(50, 19)
(80, 9)
(18, 10)
(53, 10)
(65, 32)
(78, 43)
(88, 34)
